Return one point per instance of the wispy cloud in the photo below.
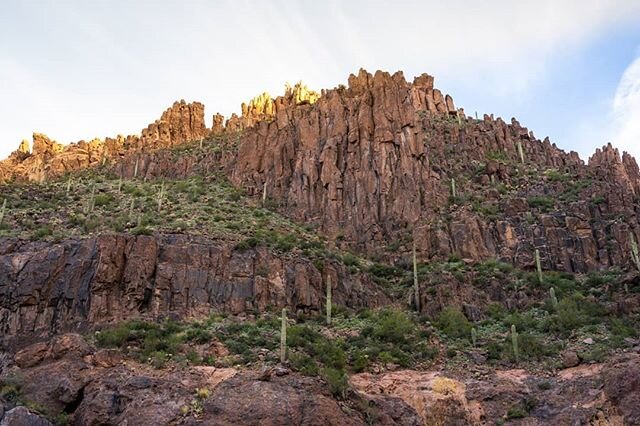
(101, 68)
(626, 111)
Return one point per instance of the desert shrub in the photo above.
(392, 326)
(543, 203)
(337, 381)
(452, 322)
(247, 244)
(102, 200)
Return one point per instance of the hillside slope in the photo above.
(174, 253)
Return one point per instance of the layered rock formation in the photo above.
(112, 278)
(374, 163)
(180, 123)
(376, 160)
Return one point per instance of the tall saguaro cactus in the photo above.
(554, 299)
(264, 193)
(634, 250)
(520, 152)
(2, 210)
(135, 168)
(539, 267)
(329, 299)
(161, 196)
(416, 287)
(514, 342)
(454, 191)
(283, 336)
(91, 202)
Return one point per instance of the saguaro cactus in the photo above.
(634, 250)
(131, 206)
(264, 193)
(328, 299)
(520, 152)
(416, 287)
(474, 336)
(454, 192)
(68, 185)
(514, 342)
(91, 201)
(160, 196)
(135, 168)
(2, 210)
(539, 267)
(283, 337)
(554, 299)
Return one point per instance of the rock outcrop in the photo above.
(77, 382)
(111, 278)
(376, 162)
(180, 123)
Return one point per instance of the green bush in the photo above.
(574, 312)
(543, 203)
(247, 244)
(350, 260)
(337, 381)
(102, 200)
(452, 322)
(42, 232)
(516, 412)
(304, 364)
(392, 326)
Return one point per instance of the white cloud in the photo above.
(97, 68)
(626, 111)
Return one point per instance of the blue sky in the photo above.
(76, 70)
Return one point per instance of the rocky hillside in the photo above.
(476, 273)
(384, 160)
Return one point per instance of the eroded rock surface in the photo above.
(376, 161)
(111, 278)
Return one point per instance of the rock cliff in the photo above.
(112, 278)
(374, 165)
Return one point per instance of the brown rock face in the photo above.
(607, 164)
(282, 402)
(179, 124)
(436, 399)
(622, 386)
(116, 277)
(374, 163)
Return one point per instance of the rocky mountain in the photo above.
(479, 274)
